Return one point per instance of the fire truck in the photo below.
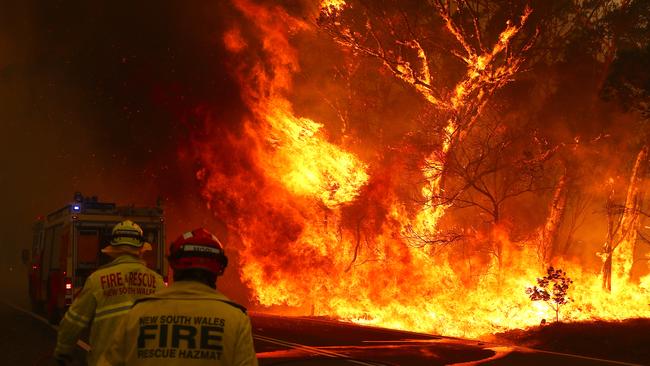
(67, 243)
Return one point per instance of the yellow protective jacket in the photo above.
(107, 295)
(186, 323)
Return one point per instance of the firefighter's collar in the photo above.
(124, 258)
(194, 287)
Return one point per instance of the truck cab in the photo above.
(67, 243)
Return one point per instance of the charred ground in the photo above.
(624, 340)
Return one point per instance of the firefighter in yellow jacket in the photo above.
(190, 322)
(108, 294)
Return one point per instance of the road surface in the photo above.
(303, 341)
(27, 339)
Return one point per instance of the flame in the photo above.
(234, 41)
(296, 152)
(324, 232)
(304, 162)
(480, 69)
(330, 7)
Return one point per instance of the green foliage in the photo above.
(552, 289)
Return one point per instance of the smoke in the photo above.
(102, 99)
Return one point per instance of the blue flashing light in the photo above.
(76, 208)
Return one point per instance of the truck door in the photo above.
(88, 247)
(53, 273)
(36, 292)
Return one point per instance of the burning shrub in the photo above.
(552, 289)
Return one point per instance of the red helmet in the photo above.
(198, 249)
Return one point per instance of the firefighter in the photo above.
(108, 294)
(190, 322)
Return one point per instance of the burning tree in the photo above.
(494, 167)
(549, 232)
(408, 45)
(552, 289)
(622, 225)
(627, 54)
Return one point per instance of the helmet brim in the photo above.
(125, 242)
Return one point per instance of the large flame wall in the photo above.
(323, 227)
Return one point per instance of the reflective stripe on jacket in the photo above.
(186, 323)
(107, 295)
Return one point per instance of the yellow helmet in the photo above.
(127, 232)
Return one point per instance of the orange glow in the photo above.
(332, 6)
(295, 206)
(304, 162)
(233, 41)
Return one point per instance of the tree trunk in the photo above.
(607, 272)
(619, 249)
(607, 247)
(623, 255)
(549, 232)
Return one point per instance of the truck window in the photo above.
(87, 248)
(105, 236)
(151, 236)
